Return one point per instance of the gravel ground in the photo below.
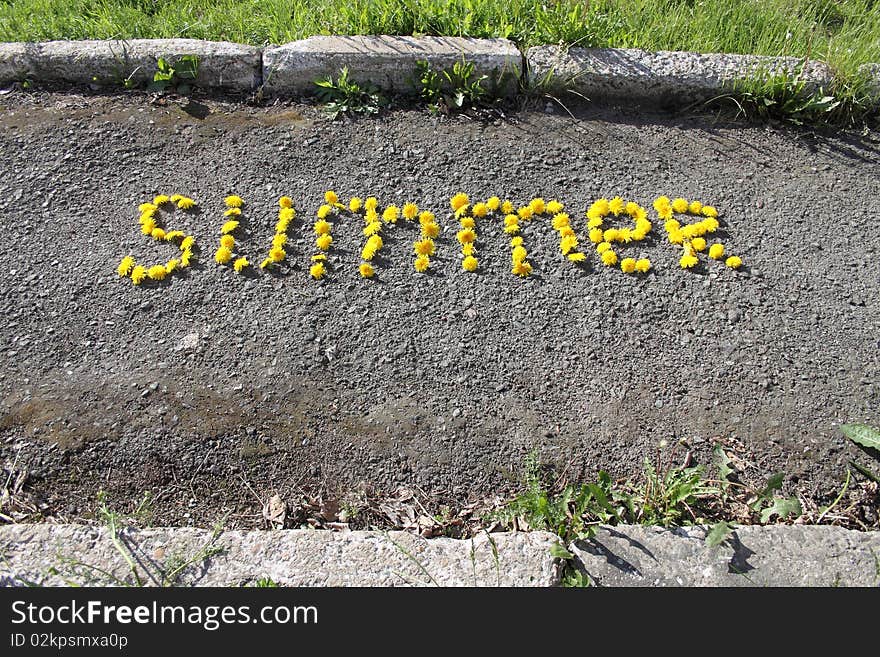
(214, 389)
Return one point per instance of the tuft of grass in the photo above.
(344, 96)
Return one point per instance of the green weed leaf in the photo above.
(718, 534)
(783, 507)
(862, 434)
(558, 551)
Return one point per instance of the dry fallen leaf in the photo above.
(275, 511)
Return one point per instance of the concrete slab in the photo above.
(389, 62)
(752, 556)
(222, 66)
(56, 555)
(682, 77)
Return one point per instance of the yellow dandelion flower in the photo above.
(319, 257)
(695, 207)
(426, 217)
(467, 249)
(171, 265)
(148, 226)
(228, 241)
(376, 242)
(566, 231)
(631, 208)
(507, 207)
(422, 262)
(157, 234)
(390, 214)
(323, 242)
(525, 213)
(537, 205)
(468, 222)
(611, 235)
(560, 220)
(317, 271)
(240, 264)
(366, 270)
(187, 243)
(680, 205)
(173, 235)
(671, 225)
(185, 203)
(285, 203)
(516, 241)
(410, 211)
(228, 227)
(602, 247)
(665, 213)
(324, 211)
(519, 253)
(521, 268)
(577, 257)
(125, 267)
(688, 261)
(370, 216)
(232, 212)
(174, 198)
(710, 225)
(281, 226)
(469, 263)
(279, 240)
(233, 201)
(157, 272)
(643, 226)
(466, 236)
(511, 229)
(372, 228)
(286, 214)
(330, 197)
(322, 227)
(459, 201)
(628, 265)
(596, 235)
(161, 199)
(511, 220)
(734, 262)
(709, 211)
(424, 247)
(186, 258)
(698, 243)
(430, 230)
(147, 216)
(223, 255)
(716, 251)
(616, 205)
(568, 244)
(676, 237)
(138, 274)
(624, 235)
(148, 207)
(480, 210)
(277, 254)
(554, 207)
(494, 203)
(662, 202)
(595, 222)
(643, 265)
(371, 203)
(609, 258)
(601, 207)
(355, 204)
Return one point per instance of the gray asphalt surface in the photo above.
(212, 389)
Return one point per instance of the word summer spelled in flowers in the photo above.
(613, 233)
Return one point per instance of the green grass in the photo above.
(845, 33)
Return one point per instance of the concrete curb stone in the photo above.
(779, 555)
(663, 76)
(872, 73)
(388, 62)
(222, 65)
(289, 557)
